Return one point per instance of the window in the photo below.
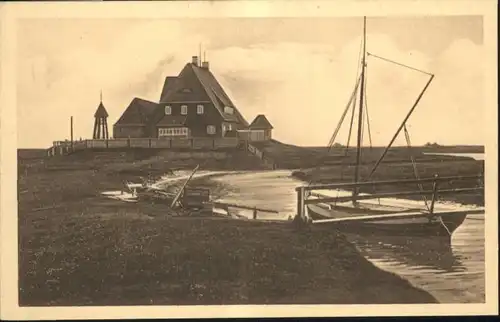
(173, 131)
(199, 109)
(184, 109)
(229, 128)
(211, 129)
(228, 110)
(168, 110)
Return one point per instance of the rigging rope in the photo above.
(352, 102)
(353, 95)
(366, 108)
(358, 72)
(350, 126)
(346, 150)
(399, 64)
(414, 165)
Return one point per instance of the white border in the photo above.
(11, 12)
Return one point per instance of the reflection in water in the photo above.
(424, 253)
(453, 274)
(451, 270)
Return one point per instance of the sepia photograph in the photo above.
(211, 158)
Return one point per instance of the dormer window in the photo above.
(184, 109)
(168, 110)
(186, 90)
(199, 109)
(228, 110)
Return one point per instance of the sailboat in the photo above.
(357, 212)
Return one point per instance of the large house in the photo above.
(192, 104)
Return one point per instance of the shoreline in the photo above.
(93, 251)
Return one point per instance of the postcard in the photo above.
(248, 159)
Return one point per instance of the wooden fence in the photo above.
(65, 147)
(303, 201)
(260, 154)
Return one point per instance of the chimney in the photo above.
(204, 64)
(195, 60)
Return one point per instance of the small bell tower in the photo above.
(101, 122)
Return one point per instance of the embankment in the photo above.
(87, 250)
(288, 156)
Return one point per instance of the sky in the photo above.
(299, 72)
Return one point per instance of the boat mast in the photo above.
(360, 117)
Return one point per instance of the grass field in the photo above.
(76, 248)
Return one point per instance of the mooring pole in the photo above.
(255, 213)
(301, 204)
(434, 194)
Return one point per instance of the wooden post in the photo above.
(255, 213)
(434, 194)
(300, 204)
(71, 129)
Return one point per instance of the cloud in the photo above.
(309, 86)
(52, 85)
(302, 88)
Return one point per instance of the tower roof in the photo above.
(101, 111)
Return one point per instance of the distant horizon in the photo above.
(314, 146)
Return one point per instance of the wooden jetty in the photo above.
(384, 217)
(226, 206)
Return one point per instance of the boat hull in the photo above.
(418, 226)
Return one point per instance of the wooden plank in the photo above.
(386, 195)
(46, 208)
(379, 183)
(217, 203)
(367, 218)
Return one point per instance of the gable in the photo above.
(261, 123)
(138, 112)
(186, 88)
